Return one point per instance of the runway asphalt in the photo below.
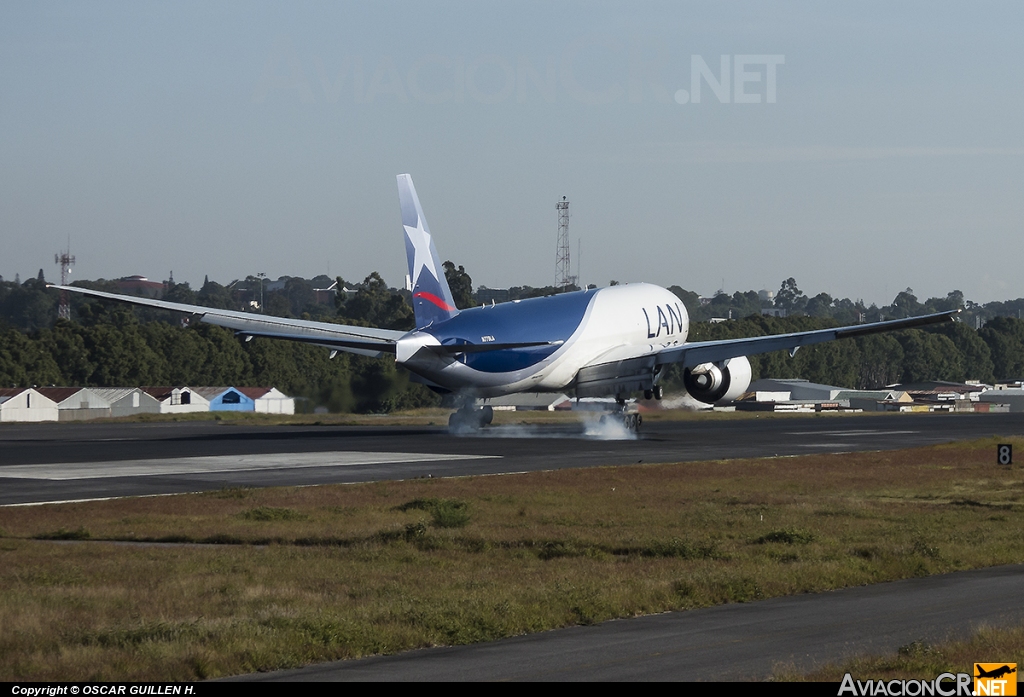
(60, 462)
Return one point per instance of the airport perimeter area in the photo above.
(708, 517)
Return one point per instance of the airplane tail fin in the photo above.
(431, 297)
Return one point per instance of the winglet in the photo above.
(432, 300)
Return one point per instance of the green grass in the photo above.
(260, 579)
(444, 513)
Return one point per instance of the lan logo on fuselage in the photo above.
(670, 319)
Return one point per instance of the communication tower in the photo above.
(563, 266)
(66, 260)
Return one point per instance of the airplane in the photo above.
(601, 342)
(995, 672)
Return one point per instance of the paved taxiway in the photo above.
(61, 462)
(727, 642)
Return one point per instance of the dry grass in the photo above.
(923, 661)
(274, 578)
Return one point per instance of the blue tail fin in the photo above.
(431, 298)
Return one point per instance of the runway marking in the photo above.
(862, 432)
(823, 445)
(100, 498)
(219, 463)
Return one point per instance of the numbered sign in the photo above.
(1004, 454)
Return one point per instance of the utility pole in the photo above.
(563, 266)
(261, 276)
(66, 261)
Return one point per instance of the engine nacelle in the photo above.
(710, 384)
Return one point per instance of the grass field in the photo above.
(194, 586)
(920, 660)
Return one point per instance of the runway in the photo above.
(65, 462)
(62, 462)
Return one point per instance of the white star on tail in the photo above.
(420, 239)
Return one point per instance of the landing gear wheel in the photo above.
(467, 420)
(658, 392)
(648, 394)
(632, 422)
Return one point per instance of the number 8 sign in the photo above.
(1004, 454)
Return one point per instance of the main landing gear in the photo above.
(654, 393)
(630, 420)
(468, 419)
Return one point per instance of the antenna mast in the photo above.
(563, 267)
(65, 260)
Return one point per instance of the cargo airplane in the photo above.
(605, 342)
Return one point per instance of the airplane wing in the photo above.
(698, 352)
(629, 373)
(366, 341)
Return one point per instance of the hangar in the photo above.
(26, 404)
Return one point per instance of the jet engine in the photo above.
(711, 383)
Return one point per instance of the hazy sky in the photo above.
(228, 138)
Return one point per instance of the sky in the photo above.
(861, 148)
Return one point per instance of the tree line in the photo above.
(109, 344)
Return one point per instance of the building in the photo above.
(949, 395)
(128, 401)
(226, 398)
(178, 400)
(795, 390)
(486, 296)
(269, 400)
(26, 404)
(1014, 397)
(140, 285)
(875, 400)
(77, 403)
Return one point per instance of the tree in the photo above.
(790, 298)
(180, 293)
(906, 305)
(24, 363)
(820, 305)
(954, 300)
(929, 356)
(213, 294)
(460, 284)
(122, 356)
(974, 352)
(376, 305)
(67, 347)
(690, 300)
(881, 361)
(1005, 339)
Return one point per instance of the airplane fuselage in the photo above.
(579, 329)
